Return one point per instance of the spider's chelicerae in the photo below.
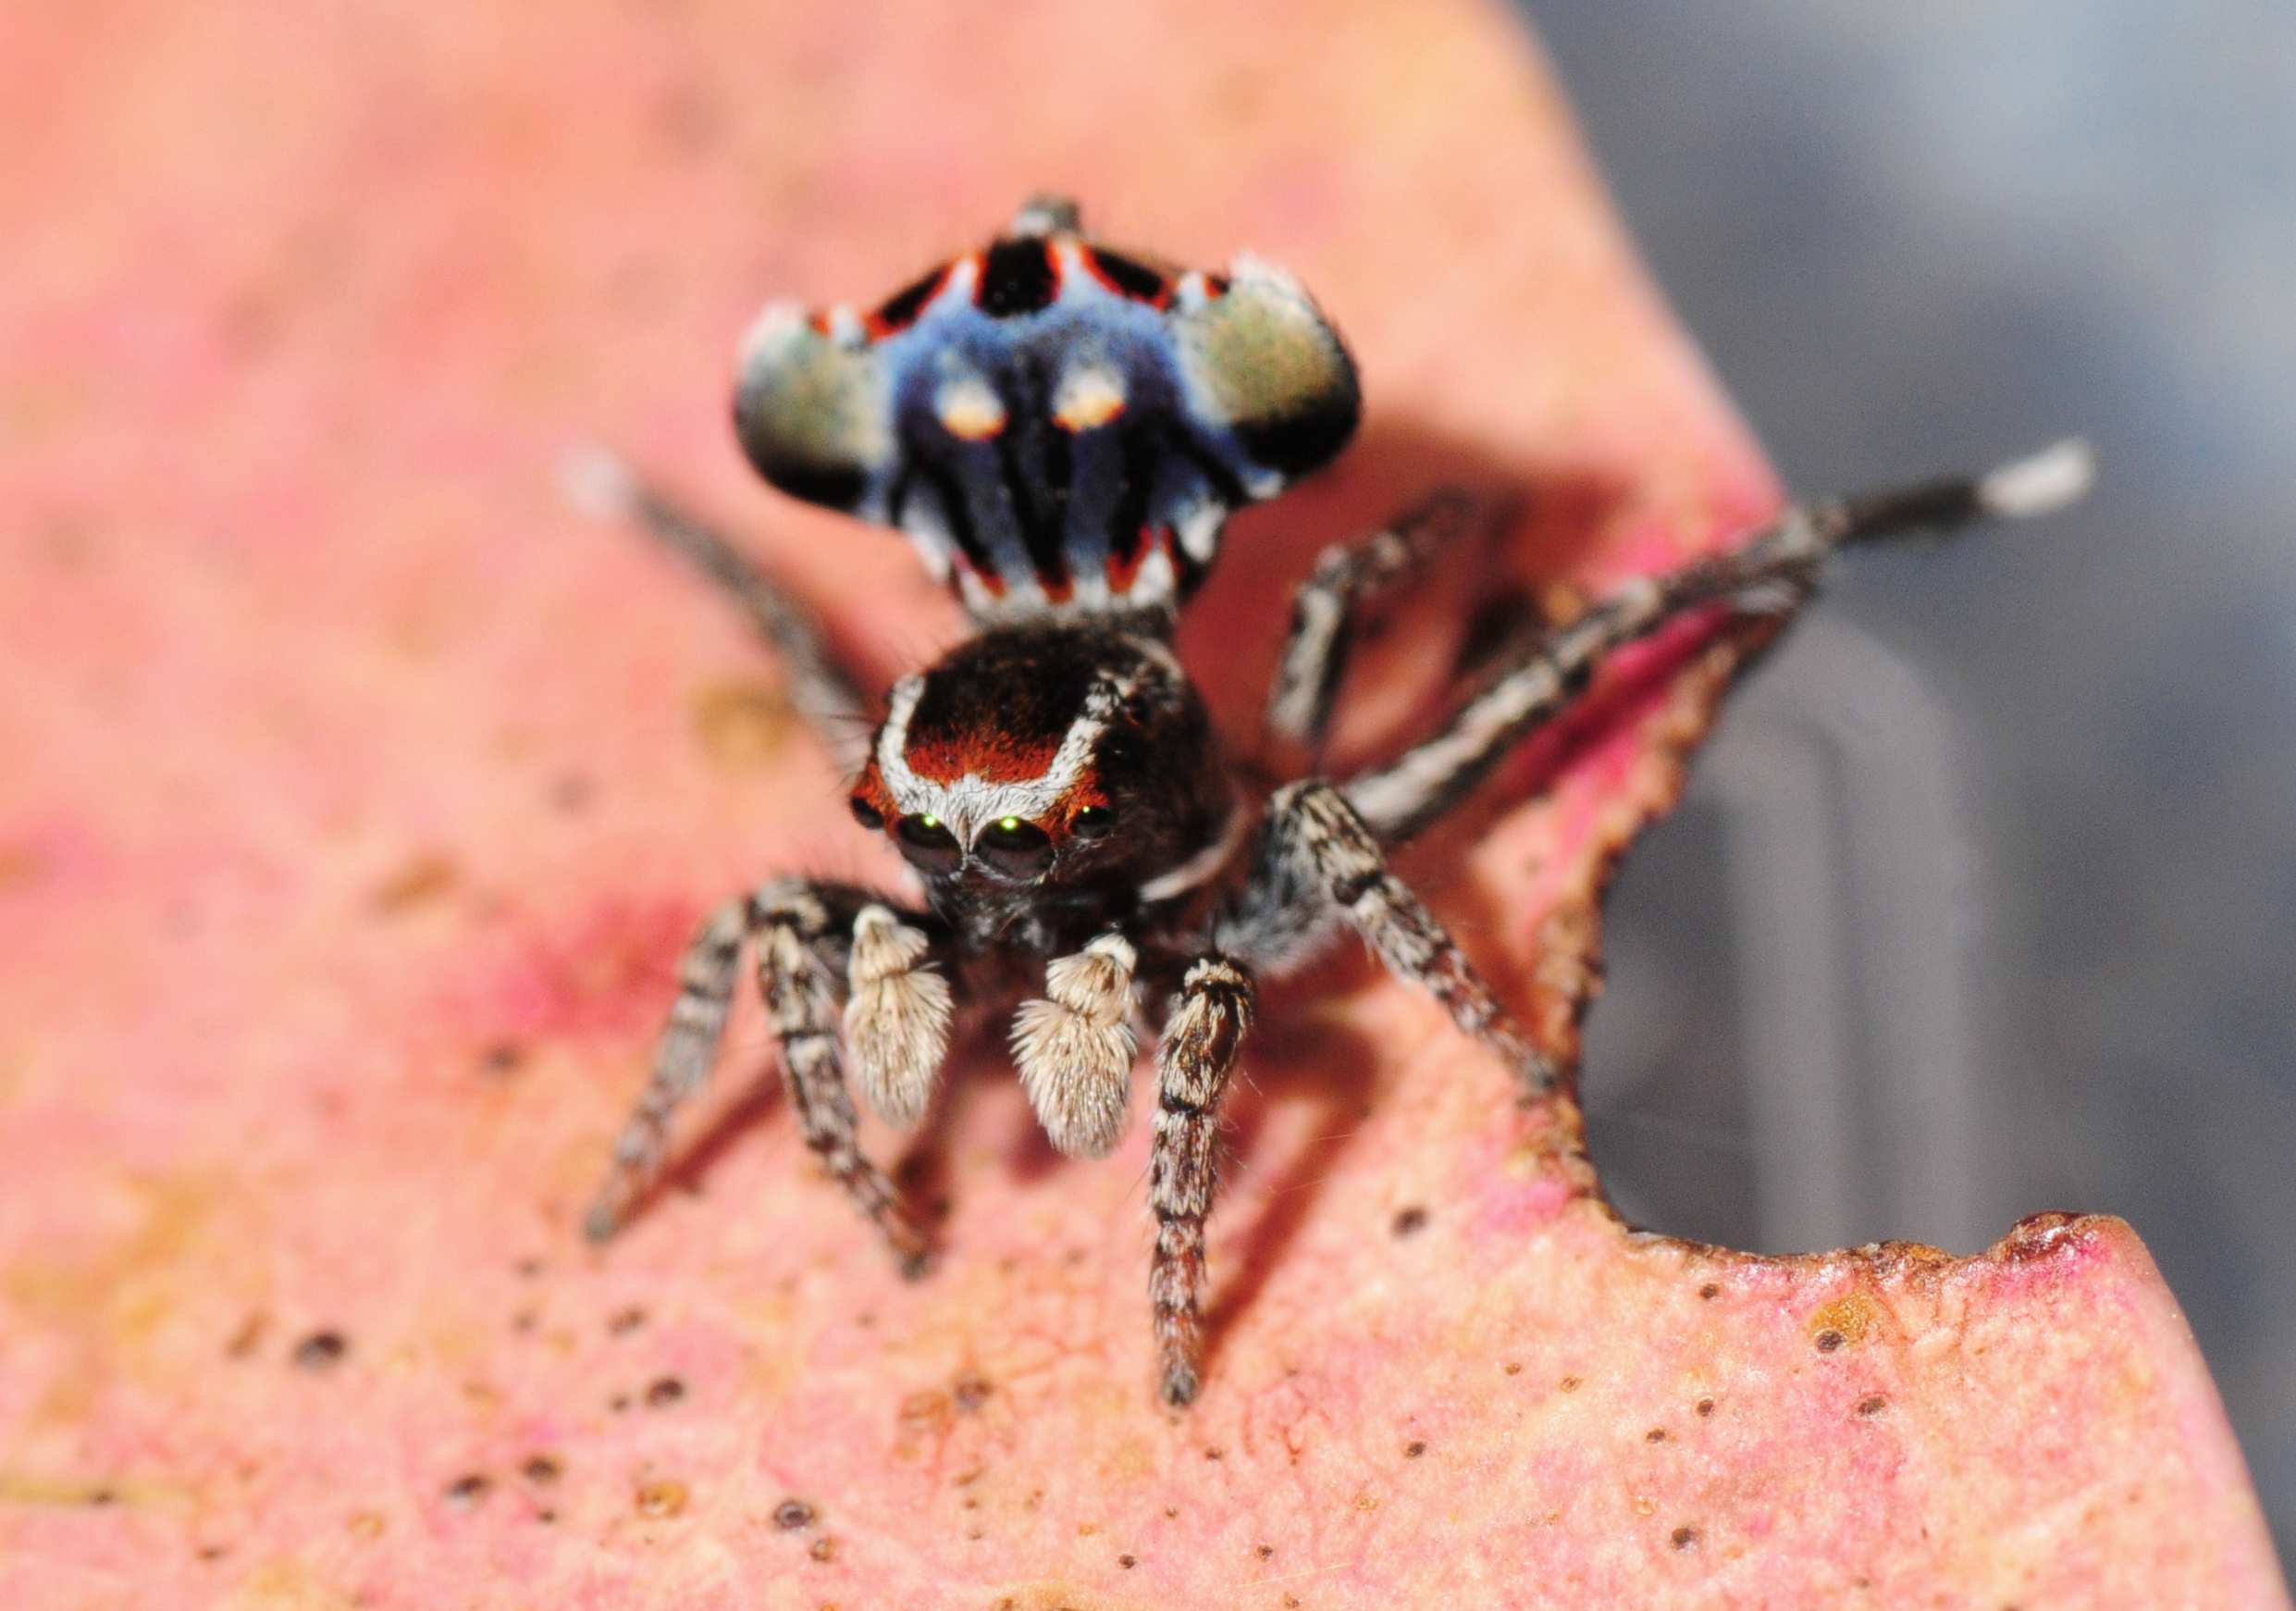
(1062, 429)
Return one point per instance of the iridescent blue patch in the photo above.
(1058, 427)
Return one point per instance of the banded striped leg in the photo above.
(1317, 857)
(1348, 580)
(824, 690)
(682, 1058)
(1397, 799)
(789, 923)
(1209, 1019)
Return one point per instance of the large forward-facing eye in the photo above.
(1014, 846)
(927, 842)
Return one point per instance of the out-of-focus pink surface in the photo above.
(356, 798)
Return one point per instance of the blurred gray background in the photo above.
(1983, 900)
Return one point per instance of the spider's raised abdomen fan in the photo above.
(1058, 427)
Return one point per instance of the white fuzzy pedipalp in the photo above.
(896, 1017)
(1075, 1049)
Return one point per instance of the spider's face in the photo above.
(1044, 755)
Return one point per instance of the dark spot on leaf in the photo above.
(214, 1552)
(1709, 1292)
(1873, 1404)
(972, 1391)
(1684, 1537)
(1706, 1406)
(546, 1515)
(503, 1058)
(1413, 1449)
(791, 1515)
(1216, 1453)
(1265, 1550)
(1655, 1435)
(529, 1267)
(248, 1337)
(1127, 1562)
(525, 1320)
(663, 1392)
(100, 1497)
(1409, 1221)
(465, 1493)
(618, 1403)
(823, 1549)
(1513, 1369)
(623, 1321)
(320, 1350)
(542, 1469)
(659, 1497)
(1569, 1384)
(1829, 1340)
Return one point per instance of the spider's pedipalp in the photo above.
(896, 1016)
(1074, 1047)
(682, 1058)
(1202, 1037)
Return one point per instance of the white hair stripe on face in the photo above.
(970, 802)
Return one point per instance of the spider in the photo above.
(1062, 429)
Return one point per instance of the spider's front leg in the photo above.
(1318, 861)
(1202, 1037)
(897, 1019)
(1350, 581)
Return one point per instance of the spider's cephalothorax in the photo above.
(1062, 429)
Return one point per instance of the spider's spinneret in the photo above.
(1057, 426)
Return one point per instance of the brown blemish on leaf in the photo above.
(623, 1321)
(973, 1390)
(365, 1525)
(1685, 1538)
(1847, 1319)
(927, 1413)
(1709, 1292)
(742, 725)
(249, 1337)
(503, 1058)
(320, 1351)
(1872, 1403)
(823, 1549)
(1655, 1435)
(1265, 1551)
(465, 1492)
(420, 881)
(1127, 1562)
(1409, 1221)
(1706, 1407)
(1568, 1385)
(657, 1498)
(1415, 1448)
(663, 1392)
(793, 1515)
(542, 1469)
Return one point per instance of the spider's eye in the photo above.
(868, 815)
(926, 840)
(1016, 847)
(1093, 823)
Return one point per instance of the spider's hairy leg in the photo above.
(1201, 1036)
(1402, 797)
(1317, 857)
(788, 922)
(1349, 581)
(821, 688)
(683, 1059)
(1074, 1047)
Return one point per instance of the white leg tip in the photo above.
(2042, 484)
(598, 484)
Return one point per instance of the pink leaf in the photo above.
(359, 795)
